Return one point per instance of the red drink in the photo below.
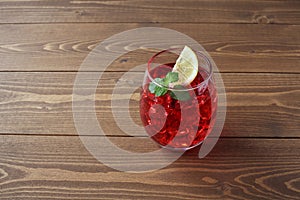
(176, 123)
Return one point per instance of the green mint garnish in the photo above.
(161, 87)
(171, 77)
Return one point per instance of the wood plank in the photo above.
(41, 167)
(259, 104)
(234, 47)
(155, 11)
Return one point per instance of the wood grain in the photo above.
(234, 47)
(43, 167)
(153, 11)
(256, 46)
(267, 105)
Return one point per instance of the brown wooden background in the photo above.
(256, 45)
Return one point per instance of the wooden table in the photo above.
(255, 44)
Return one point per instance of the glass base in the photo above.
(180, 149)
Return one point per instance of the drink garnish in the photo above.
(187, 67)
(160, 86)
(184, 72)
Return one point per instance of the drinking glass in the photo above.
(183, 117)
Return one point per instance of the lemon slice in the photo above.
(186, 66)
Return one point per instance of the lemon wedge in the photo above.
(186, 66)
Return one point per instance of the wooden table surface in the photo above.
(255, 44)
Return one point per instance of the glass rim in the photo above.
(203, 83)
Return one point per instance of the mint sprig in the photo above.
(160, 87)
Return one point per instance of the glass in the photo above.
(184, 123)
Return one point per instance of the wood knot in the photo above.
(3, 174)
(80, 12)
(124, 60)
(252, 51)
(209, 180)
(226, 188)
(44, 108)
(263, 19)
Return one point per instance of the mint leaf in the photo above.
(160, 81)
(156, 89)
(152, 87)
(171, 77)
(160, 91)
(160, 88)
(183, 95)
